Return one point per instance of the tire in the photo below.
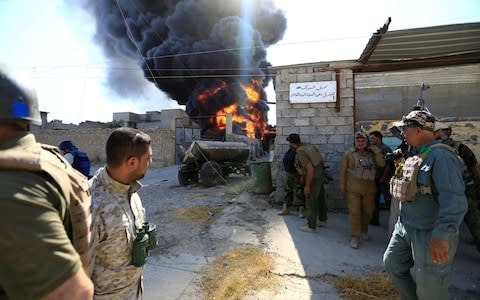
(211, 174)
(187, 176)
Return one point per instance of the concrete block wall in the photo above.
(92, 141)
(316, 123)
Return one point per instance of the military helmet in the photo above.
(16, 105)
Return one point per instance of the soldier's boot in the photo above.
(301, 212)
(284, 211)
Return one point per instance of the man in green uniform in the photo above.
(471, 178)
(309, 164)
(293, 189)
(37, 257)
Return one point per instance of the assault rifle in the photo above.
(421, 102)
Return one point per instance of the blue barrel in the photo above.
(261, 177)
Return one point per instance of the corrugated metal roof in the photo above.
(422, 43)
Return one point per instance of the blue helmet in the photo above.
(16, 105)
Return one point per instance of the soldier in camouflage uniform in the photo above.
(471, 177)
(118, 214)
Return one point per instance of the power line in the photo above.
(129, 32)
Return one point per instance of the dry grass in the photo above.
(197, 214)
(238, 188)
(238, 274)
(373, 286)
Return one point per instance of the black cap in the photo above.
(294, 138)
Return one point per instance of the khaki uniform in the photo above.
(357, 176)
(118, 213)
(315, 202)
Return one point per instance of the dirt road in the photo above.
(231, 218)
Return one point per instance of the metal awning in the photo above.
(458, 40)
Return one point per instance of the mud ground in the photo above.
(303, 260)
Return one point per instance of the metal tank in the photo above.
(212, 161)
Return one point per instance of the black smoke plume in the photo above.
(188, 46)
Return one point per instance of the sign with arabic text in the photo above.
(312, 92)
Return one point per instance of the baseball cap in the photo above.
(440, 125)
(361, 134)
(418, 118)
(294, 138)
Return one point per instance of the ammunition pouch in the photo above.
(364, 167)
(404, 186)
(363, 173)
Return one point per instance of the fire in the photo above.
(247, 118)
(211, 92)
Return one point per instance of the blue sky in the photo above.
(48, 46)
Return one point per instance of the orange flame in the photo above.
(252, 123)
(211, 92)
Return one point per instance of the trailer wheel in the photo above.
(211, 174)
(187, 176)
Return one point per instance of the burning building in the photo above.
(209, 55)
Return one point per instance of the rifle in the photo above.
(421, 102)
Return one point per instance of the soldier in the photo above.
(293, 188)
(357, 179)
(471, 177)
(39, 231)
(432, 205)
(309, 164)
(78, 159)
(382, 177)
(119, 215)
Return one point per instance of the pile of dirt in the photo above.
(238, 273)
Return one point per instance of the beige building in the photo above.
(326, 102)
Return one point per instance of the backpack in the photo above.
(289, 161)
(74, 187)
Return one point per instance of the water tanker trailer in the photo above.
(210, 162)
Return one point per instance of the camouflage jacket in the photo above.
(117, 212)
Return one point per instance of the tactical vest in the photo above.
(403, 186)
(74, 187)
(364, 168)
(313, 154)
(81, 162)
